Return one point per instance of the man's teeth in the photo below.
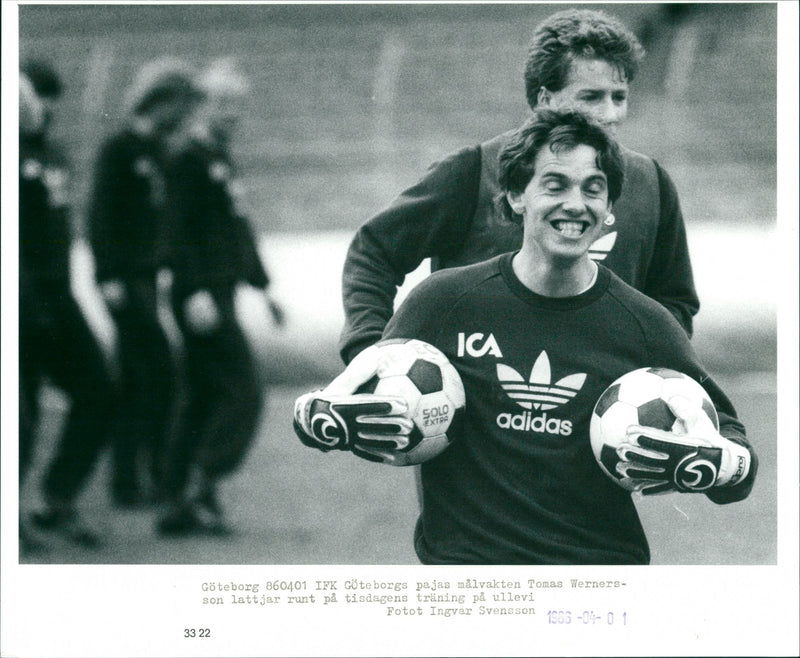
(570, 229)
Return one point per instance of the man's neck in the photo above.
(555, 279)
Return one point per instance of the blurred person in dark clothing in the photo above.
(214, 251)
(47, 85)
(127, 238)
(55, 341)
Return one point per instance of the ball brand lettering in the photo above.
(739, 471)
(527, 422)
(474, 345)
(436, 415)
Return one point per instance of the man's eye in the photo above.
(595, 189)
(553, 186)
(620, 98)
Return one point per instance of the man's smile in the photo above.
(570, 228)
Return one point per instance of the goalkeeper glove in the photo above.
(654, 461)
(340, 422)
(337, 418)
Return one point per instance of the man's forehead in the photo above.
(581, 158)
(595, 74)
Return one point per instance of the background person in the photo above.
(577, 58)
(505, 494)
(214, 250)
(55, 342)
(127, 236)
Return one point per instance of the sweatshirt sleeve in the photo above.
(103, 222)
(253, 269)
(669, 277)
(428, 219)
(671, 348)
(186, 205)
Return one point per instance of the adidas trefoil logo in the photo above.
(538, 392)
(602, 246)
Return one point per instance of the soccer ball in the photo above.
(640, 398)
(424, 377)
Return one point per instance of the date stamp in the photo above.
(586, 617)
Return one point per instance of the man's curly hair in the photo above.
(558, 130)
(574, 33)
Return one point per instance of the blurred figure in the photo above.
(54, 338)
(127, 238)
(47, 85)
(214, 251)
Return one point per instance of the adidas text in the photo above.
(527, 422)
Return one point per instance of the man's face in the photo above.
(593, 87)
(171, 115)
(223, 112)
(565, 202)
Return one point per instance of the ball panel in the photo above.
(665, 373)
(611, 428)
(452, 385)
(685, 387)
(369, 386)
(431, 447)
(414, 439)
(427, 376)
(657, 414)
(640, 387)
(609, 397)
(400, 386)
(711, 412)
(394, 360)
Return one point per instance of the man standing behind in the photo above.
(578, 58)
(127, 238)
(213, 251)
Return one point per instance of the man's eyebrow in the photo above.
(601, 177)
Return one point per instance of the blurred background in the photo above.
(350, 105)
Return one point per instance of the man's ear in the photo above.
(544, 97)
(515, 201)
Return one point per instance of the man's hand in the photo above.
(201, 312)
(339, 419)
(114, 293)
(344, 422)
(654, 461)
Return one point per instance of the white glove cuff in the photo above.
(302, 405)
(734, 466)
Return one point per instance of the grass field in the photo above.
(293, 505)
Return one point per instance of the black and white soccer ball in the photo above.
(424, 377)
(640, 398)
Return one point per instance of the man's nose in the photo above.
(610, 113)
(574, 202)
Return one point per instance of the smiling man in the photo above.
(581, 59)
(518, 483)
